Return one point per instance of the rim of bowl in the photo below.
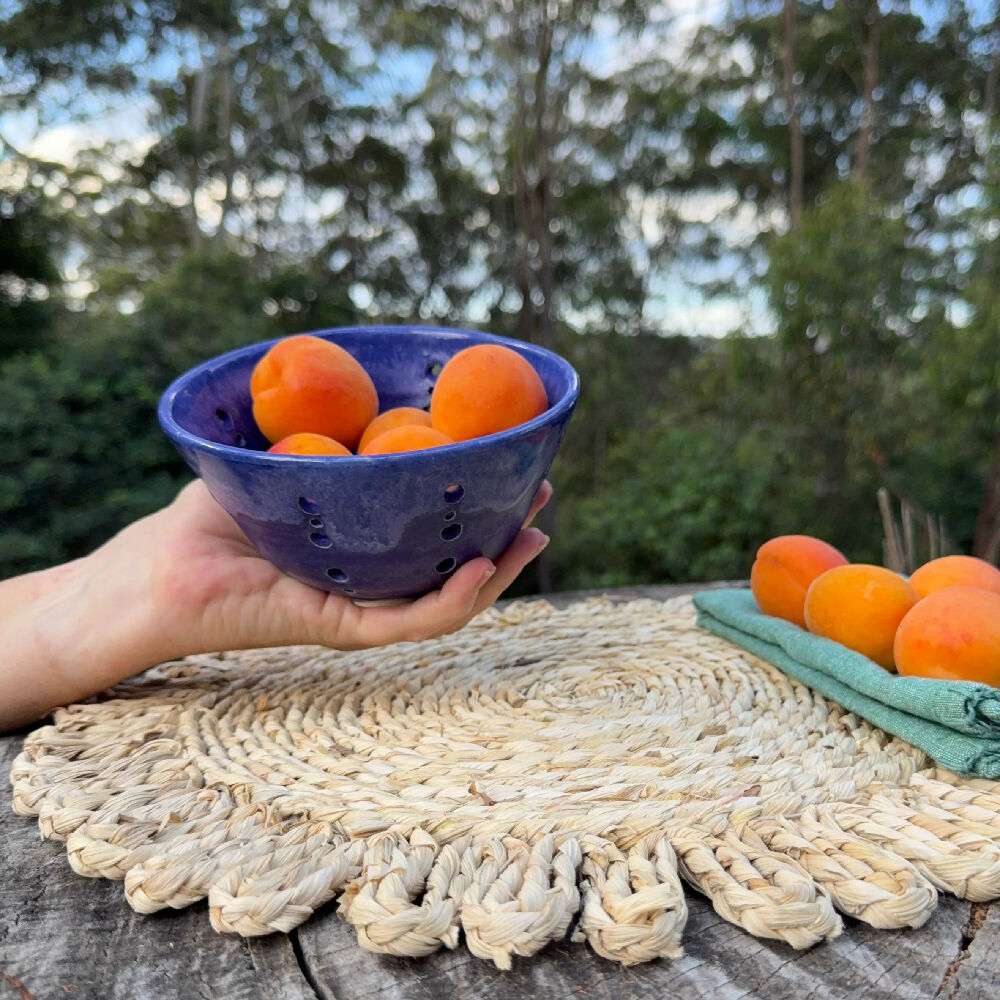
(251, 456)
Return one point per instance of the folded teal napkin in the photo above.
(957, 723)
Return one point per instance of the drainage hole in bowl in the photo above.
(315, 522)
(451, 532)
(446, 565)
(308, 506)
(225, 420)
(240, 440)
(454, 493)
(451, 515)
(434, 369)
(349, 590)
(337, 575)
(320, 540)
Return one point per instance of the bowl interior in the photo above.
(213, 401)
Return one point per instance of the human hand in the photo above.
(186, 580)
(229, 597)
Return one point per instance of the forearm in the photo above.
(69, 632)
(20, 592)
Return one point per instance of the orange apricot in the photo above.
(952, 634)
(860, 607)
(407, 438)
(307, 443)
(486, 389)
(308, 384)
(783, 570)
(951, 571)
(400, 416)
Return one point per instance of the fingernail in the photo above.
(545, 541)
(487, 573)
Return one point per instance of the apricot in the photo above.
(408, 438)
(952, 634)
(860, 607)
(783, 570)
(304, 383)
(306, 443)
(486, 389)
(400, 416)
(951, 571)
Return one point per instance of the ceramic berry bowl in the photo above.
(378, 527)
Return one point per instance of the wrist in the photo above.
(106, 627)
(86, 626)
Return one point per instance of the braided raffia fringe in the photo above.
(503, 785)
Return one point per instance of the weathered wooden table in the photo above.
(65, 936)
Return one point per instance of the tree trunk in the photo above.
(522, 212)
(795, 144)
(990, 87)
(988, 521)
(990, 91)
(868, 95)
(226, 133)
(199, 93)
(543, 206)
(522, 227)
(543, 564)
(532, 163)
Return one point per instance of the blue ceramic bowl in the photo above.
(378, 527)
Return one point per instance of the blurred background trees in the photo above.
(764, 232)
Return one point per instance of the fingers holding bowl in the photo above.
(475, 586)
(542, 497)
(528, 544)
(472, 589)
(436, 613)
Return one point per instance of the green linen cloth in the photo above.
(957, 723)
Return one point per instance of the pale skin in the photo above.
(185, 580)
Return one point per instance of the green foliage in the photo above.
(81, 42)
(259, 143)
(941, 447)
(844, 282)
(84, 453)
(732, 118)
(699, 482)
(527, 187)
(696, 507)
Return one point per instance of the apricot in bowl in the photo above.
(381, 526)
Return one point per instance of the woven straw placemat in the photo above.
(495, 783)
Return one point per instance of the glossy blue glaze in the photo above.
(380, 527)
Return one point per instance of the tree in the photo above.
(528, 188)
(261, 145)
(850, 299)
(692, 489)
(845, 88)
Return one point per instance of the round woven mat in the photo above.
(496, 783)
